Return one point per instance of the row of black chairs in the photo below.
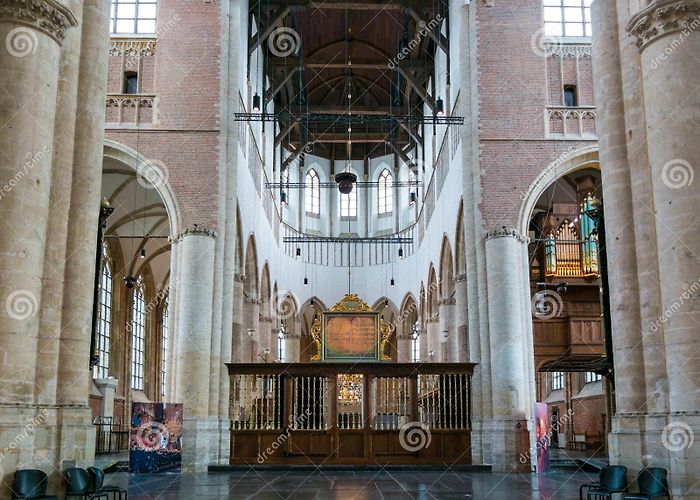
(652, 483)
(31, 484)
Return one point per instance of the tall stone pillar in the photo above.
(238, 332)
(459, 343)
(404, 339)
(668, 38)
(447, 332)
(292, 341)
(433, 339)
(510, 391)
(194, 322)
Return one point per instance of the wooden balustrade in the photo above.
(343, 413)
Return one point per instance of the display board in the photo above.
(350, 331)
(544, 433)
(156, 437)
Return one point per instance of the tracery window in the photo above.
(593, 377)
(567, 17)
(385, 192)
(104, 322)
(138, 337)
(312, 187)
(133, 17)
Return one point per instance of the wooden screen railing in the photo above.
(343, 413)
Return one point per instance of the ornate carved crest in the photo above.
(352, 303)
(662, 17)
(48, 16)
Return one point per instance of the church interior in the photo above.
(349, 249)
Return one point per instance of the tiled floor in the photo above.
(351, 485)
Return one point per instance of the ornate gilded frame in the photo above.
(353, 306)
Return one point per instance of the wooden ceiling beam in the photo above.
(427, 98)
(258, 38)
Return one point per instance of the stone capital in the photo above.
(239, 277)
(460, 278)
(505, 232)
(663, 17)
(47, 16)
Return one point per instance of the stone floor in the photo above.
(351, 485)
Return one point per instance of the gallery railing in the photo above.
(350, 413)
(110, 436)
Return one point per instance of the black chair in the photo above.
(97, 476)
(80, 484)
(30, 484)
(652, 484)
(612, 479)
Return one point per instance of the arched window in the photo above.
(348, 204)
(164, 348)
(557, 380)
(386, 193)
(313, 192)
(567, 17)
(133, 16)
(138, 337)
(104, 323)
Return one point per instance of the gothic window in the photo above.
(567, 17)
(557, 379)
(386, 194)
(164, 348)
(570, 98)
(593, 377)
(138, 337)
(312, 186)
(133, 17)
(104, 322)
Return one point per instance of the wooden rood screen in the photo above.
(350, 413)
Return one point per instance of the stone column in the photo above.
(292, 343)
(404, 341)
(459, 344)
(238, 333)
(447, 331)
(433, 339)
(668, 38)
(31, 35)
(510, 394)
(193, 331)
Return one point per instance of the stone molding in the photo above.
(47, 16)
(506, 232)
(195, 231)
(239, 277)
(130, 101)
(460, 278)
(132, 47)
(450, 301)
(661, 18)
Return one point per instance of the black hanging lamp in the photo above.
(439, 107)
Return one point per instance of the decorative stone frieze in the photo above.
(569, 51)
(132, 47)
(663, 17)
(47, 16)
(506, 232)
(130, 101)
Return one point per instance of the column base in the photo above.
(49, 438)
(659, 440)
(205, 442)
(502, 443)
